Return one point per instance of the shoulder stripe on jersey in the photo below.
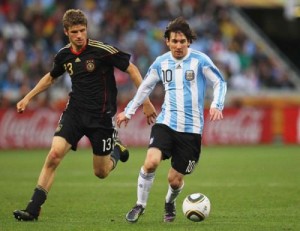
(106, 47)
(65, 47)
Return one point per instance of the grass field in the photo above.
(250, 188)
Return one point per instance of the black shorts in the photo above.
(73, 125)
(184, 149)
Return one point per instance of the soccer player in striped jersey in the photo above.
(91, 107)
(177, 133)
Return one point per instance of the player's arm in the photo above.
(148, 108)
(45, 82)
(219, 91)
(141, 95)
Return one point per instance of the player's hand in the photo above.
(21, 105)
(215, 114)
(150, 112)
(122, 118)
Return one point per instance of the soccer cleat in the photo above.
(122, 150)
(23, 215)
(170, 212)
(134, 214)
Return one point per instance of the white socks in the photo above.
(145, 181)
(172, 194)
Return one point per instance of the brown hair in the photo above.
(180, 25)
(74, 17)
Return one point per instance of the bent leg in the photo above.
(153, 159)
(175, 178)
(176, 184)
(103, 165)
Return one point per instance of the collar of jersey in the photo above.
(80, 51)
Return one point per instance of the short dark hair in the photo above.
(180, 25)
(74, 17)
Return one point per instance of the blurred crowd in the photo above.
(31, 34)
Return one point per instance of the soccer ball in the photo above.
(196, 207)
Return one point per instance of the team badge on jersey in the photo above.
(90, 65)
(189, 75)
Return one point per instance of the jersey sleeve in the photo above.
(213, 74)
(118, 59)
(144, 90)
(58, 68)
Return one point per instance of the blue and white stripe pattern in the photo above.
(185, 86)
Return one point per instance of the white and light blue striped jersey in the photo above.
(184, 83)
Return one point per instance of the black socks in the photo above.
(115, 156)
(38, 198)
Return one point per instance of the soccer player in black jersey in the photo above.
(91, 107)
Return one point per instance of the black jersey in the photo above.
(92, 75)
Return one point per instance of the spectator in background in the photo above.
(31, 26)
(285, 83)
(13, 28)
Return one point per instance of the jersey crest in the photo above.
(189, 75)
(90, 65)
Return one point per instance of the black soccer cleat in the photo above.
(170, 212)
(122, 151)
(134, 214)
(23, 215)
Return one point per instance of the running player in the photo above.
(91, 107)
(177, 133)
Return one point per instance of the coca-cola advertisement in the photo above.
(27, 130)
(35, 128)
(239, 126)
(31, 129)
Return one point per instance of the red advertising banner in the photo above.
(31, 129)
(291, 128)
(137, 131)
(35, 129)
(27, 130)
(239, 126)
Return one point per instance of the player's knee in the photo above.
(150, 166)
(175, 182)
(54, 157)
(175, 185)
(101, 173)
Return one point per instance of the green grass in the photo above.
(250, 188)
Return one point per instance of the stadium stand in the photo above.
(31, 33)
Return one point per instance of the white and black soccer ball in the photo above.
(196, 207)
